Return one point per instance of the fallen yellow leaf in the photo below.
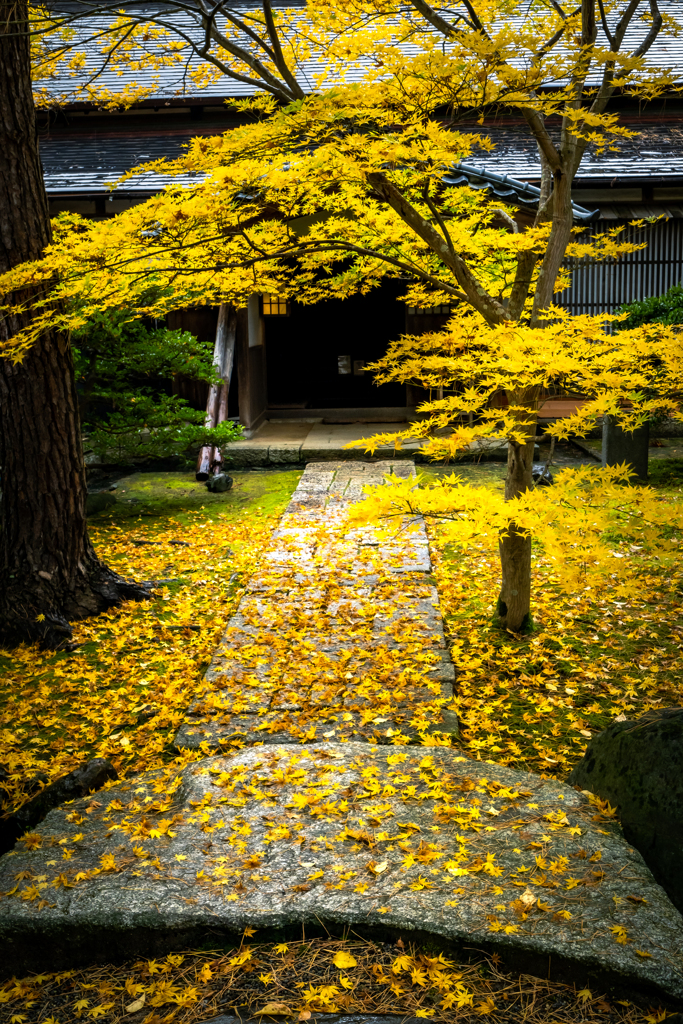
(137, 1005)
(343, 960)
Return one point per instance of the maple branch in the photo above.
(296, 250)
(547, 46)
(653, 33)
(280, 61)
(430, 15)
(522, 283)
(437, 216)
(559, 10)
(605, 26)
(492, 310)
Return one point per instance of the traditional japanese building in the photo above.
(298, 361)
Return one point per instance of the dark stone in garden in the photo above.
(99, 501)
(621, 446)
(541, 475)
(638, 766)
(219, 483)
(78, 783)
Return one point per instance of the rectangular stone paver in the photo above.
(338, 636)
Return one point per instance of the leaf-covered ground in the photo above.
(124, 692)
(534, 702)
(531, 702)
(297, 980)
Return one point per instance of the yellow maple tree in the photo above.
(328, 193)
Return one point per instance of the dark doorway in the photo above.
(307, 349)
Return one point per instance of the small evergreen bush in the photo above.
(124, 370)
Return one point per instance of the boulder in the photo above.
(541, 475)
(219, 483)
(410, 841)
(638, 766)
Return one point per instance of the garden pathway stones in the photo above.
(339, 637)
(410, 841)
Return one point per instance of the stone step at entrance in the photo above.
(338, 637)
(296, 443)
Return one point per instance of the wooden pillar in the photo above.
(251, 367)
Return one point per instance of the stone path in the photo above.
(339, 637)
(277, 443)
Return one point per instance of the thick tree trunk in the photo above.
(514, 601)
(49, 573)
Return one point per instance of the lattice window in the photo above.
(273, 305)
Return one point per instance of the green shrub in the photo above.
(660, 309)
(124, 369)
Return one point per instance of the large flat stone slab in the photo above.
(340, 634)
(413, 841)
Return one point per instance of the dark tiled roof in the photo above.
(85, 163)
(80, 163)
(655, 152)
(510, 190)
(171, 83)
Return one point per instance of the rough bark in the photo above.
(49, 573)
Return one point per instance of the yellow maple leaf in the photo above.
(344, 960)
(620, 934)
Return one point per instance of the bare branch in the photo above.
(280, 61)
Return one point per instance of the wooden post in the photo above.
(251, 368)
(217, 402)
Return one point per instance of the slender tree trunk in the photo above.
(217, 401)
(514, 600)
(49, 573)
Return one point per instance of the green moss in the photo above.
(163, 494)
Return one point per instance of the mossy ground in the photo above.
(161, 494)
